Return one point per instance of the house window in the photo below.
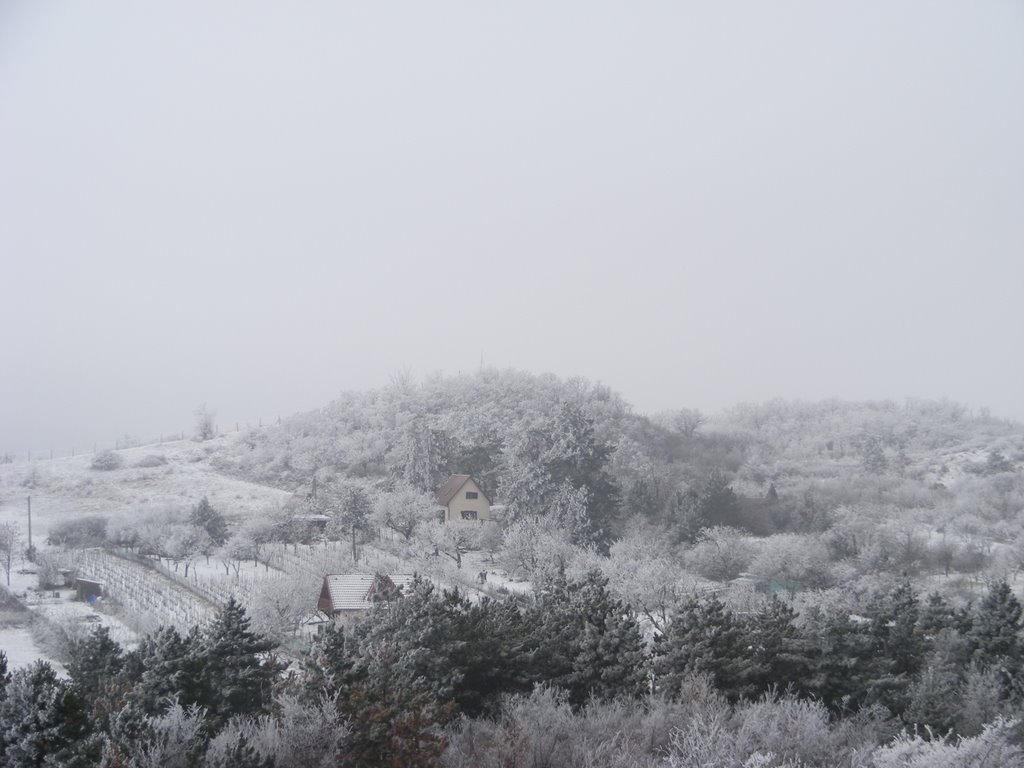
(469, 514)
(471, 494)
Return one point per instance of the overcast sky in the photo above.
(258, 205)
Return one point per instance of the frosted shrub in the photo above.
(152, 460)
(992, 748)
(787, 556)
(106, 461)
(721, 554)
(298, 737)
(542, 731)
(171, 740)
(790, 728)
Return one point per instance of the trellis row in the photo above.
(143, 593)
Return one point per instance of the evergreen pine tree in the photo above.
(95, 661)
(396, 716)
(897, 631)
(239, 673)
(845, 662)
(44, 722)
(995, 634)
(996, 628)
(718, 503)
(97, 670)
(408, 668)
(174, 667)
(587, 642)
(686, 516)
(208, 519)
(782, 656)
(705, 638)
(933, 699)
(494, 659)
(327, 667)
(4, 674)
(936, 615)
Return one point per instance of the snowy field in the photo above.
(68, 488)
(143, 594)
(65, 488)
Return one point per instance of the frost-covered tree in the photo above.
(205, 429)
(559, 468)
(43, 721)
(782, 656)
(297, 735)
(874, 459)
(404, 509)
(349, 507)
(169, 667)
(536, 549)
(239, 670)
(10, 537)
(284, 604)
(95, 663)
(421, 452)
(586, 641)
(173, 739)
(211, 521)
(995, 636)
(705, 638)
(451, 541)
(995, 745)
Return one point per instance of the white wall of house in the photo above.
(464, 501)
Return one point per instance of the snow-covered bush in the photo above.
(992, 747)
(152, 460)
(106, 461)
(721, 554)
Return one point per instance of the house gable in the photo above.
(348, 593)
(463, 499)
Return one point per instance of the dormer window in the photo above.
(471, 494)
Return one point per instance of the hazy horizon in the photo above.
(258, 206)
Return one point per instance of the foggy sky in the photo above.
(258, 205)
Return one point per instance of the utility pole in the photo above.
(29, 500)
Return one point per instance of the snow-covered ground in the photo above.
(68, 488)
(65, 488)
(152, 593)
(50, 613)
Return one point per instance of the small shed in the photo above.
(316, 523)
(88, 590)
(772, 587)
(351, 594)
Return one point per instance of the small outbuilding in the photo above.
(352, 594)
(462, 500)
(88, 590)
(317, 523)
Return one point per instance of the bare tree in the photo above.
(9, 538)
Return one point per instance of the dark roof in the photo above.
(451, 486)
